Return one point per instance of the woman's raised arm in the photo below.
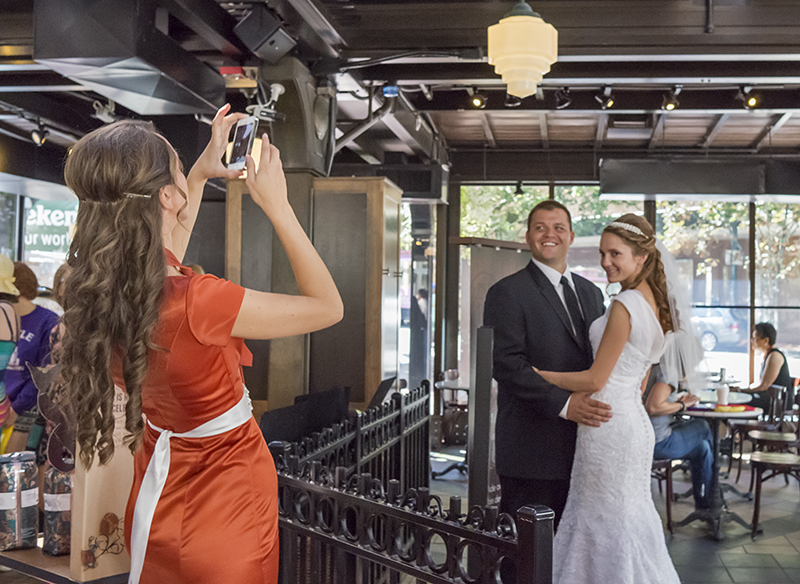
(208, 165)
(264, 315)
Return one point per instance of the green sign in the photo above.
(48, 226)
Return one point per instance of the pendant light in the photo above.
(522, 47)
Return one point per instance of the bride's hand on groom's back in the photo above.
(587, 411)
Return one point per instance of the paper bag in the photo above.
(99, 498)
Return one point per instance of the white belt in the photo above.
(156, 476)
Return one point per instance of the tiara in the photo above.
(629, 227)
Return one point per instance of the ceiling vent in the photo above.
(114, 48)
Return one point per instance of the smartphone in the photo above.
(242, 144)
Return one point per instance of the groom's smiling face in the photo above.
(549, 237)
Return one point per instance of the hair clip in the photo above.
(136, 195)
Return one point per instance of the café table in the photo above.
(734, 397)
(718, 513)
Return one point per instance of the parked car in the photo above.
(718, 327)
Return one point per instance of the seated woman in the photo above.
(774, 368)
(688, 440)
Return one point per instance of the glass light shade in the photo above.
(522, 48)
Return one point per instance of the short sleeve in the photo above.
(646, 333)
(212, 305)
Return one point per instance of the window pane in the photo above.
(48, 231)
(777, 255)
(590, 215)
(8, 225)
(787, 324)
(709, 240)
(498, 212)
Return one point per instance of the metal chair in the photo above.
(774, 463)
(770, 422)
(662, 471)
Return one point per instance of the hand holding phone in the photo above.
(243, 137)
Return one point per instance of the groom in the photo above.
(541, 317)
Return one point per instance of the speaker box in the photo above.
(263, 34)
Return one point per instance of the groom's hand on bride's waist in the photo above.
(587, 411)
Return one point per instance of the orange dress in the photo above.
(217, 517)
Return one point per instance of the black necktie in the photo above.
(573, 308)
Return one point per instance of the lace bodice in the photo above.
(645, 344)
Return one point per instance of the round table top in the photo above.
(454, 384)
(734, 397)
(700, 413)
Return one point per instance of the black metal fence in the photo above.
(340, 530)
(390, 441)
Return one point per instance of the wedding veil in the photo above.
(683, 353)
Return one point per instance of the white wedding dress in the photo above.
(610, 531)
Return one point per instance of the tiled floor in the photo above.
(772, 558)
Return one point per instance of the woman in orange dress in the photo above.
(203, 507)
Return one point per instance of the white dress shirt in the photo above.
(555, 279)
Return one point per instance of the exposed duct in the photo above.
(113, 47)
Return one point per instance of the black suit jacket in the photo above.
(532, 328)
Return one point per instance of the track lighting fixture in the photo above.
(670, 99)
(477, 99)
(39, 134)
(605, 99)
(519, 190)
(563, 98)
(749, 98)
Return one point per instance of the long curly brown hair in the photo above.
(652, 270)
(113, 296)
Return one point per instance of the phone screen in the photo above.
(242, 141)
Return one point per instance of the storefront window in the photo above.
(590, 215)
(8, 225)
(48, 232)
(778, 278)
(498, 212)
(709, 240)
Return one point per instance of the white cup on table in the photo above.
(722, 394)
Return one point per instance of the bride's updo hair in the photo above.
(652, 270)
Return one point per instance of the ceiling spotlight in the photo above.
(519, 190)
(605, 99)
(670, 99)
(750, 99)
(563, 98)
(513, 100)
(477, 99)
(39, 134)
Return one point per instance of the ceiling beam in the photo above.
(765, 137)
(71, 115)
(487, 130)
(641, 100)
(668, 73)
(308, 24)
(714, 130)
(599, 27)
(543, 130)
(602, 125)
(210, 21)
(658, 131)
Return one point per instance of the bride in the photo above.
(610, 530)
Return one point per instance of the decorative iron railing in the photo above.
(340, 528)
(390, 441)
